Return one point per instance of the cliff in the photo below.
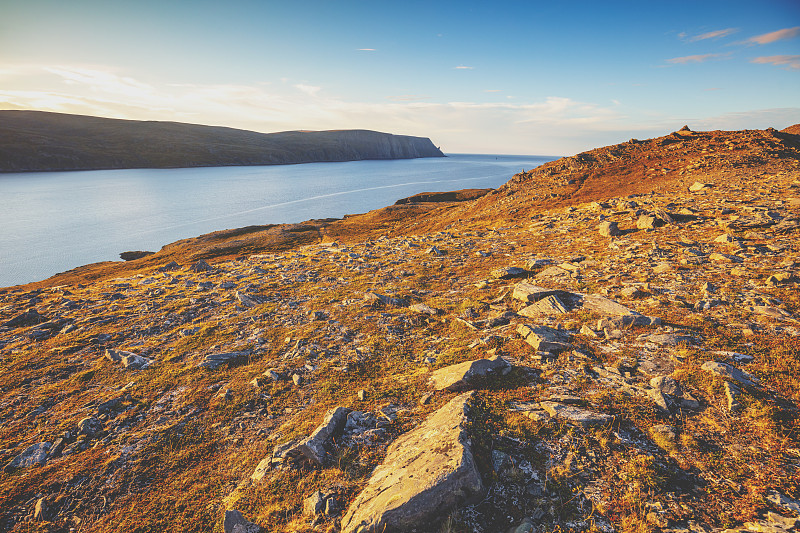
(40, 141)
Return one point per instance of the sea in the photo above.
(51, 222)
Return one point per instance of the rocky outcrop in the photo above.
(38, 141)
(426, 473)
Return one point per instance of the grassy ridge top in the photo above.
(40, 141)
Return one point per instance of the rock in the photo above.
(728, 372)
(89, 426)
(527, 526)
(427, 473)
(549, 305)
(508, 273)
(128, 359)
(698, 186)
(201, 266)
(261, 469)
(30, 317)
(247, 300)
(608, 229)
(235, 522)
(604, 306)
(386, 300)
(648, 222)
(526, 292)
(732, 393)
(297, 379)
(783, 501)
(35, 454)
(172, 265)
(463, 375)
(576, 415)
(425, 310)
(314, 504)
(215, 360)
(314, 449)
(670, 339)
(543, 338)
(41, 512)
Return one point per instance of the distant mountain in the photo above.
(38, 141)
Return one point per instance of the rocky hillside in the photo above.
(551, 356)
(37, 141)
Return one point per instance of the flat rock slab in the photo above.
(576, 415)
(544, 339)
(427, 473)
(463, 375)
(604, 306)
(726, 371)
(549, 305)
(529, 293)
(670, 339)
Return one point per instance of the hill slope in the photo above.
(631, 351)
(38, 141)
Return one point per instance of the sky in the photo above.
(501, 77)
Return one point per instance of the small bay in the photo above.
(54, 221)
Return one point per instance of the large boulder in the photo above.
(316, 448)
(426, 474)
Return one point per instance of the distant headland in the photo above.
(42, 141)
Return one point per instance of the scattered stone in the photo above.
(314, 504)
(463, 375)
(732, 393)
(30, 317)
(314, 449)
(698, 186)
(425, 310)
(427, 473)
(549, 305)
(670, 339)
(201, 266)
(543, 338)
(386, 300)
(35, 454)
(608, 229)
(89, 426)
(508, 273)
(215, 360)
(726, 371)
(526, 292)
(128, 359)
(235, 522)
(576, 415)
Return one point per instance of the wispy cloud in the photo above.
(700, 58)
(792, 62)
(366, 49)
(712, 34)
(463, 67)
(491, 90)
(786, 33)
(308, 89)
(408, 98)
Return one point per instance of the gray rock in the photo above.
(35, 454)
(549, 305)
(128, 359)
(201, 266)
(427, 472)
(215, 360)
(544, 339)
(508, 272)
(604, 306)
(386, 300)
(576, 415)
(461, 376)
(314, 449)
(529, 293)
(314, 504)
(30, 317)
(235, 522)
(425, 310)
(89, 426)
(608, 229)
(726, 371)
(670, 339)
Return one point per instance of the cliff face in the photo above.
(38, 141)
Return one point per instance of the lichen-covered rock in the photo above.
(314, 449)
(543, 338)
(461, 376)
(426, 474)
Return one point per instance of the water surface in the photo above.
(54, 221)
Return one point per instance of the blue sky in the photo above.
(550, 78)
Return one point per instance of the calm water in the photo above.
(54, 221)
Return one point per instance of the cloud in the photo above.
(463, 67)
(792, 62)
(366, 49)
(408, 98)
(308, 89)
(786, 33)
(702, 58)
(492, 90)
(713, 34)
